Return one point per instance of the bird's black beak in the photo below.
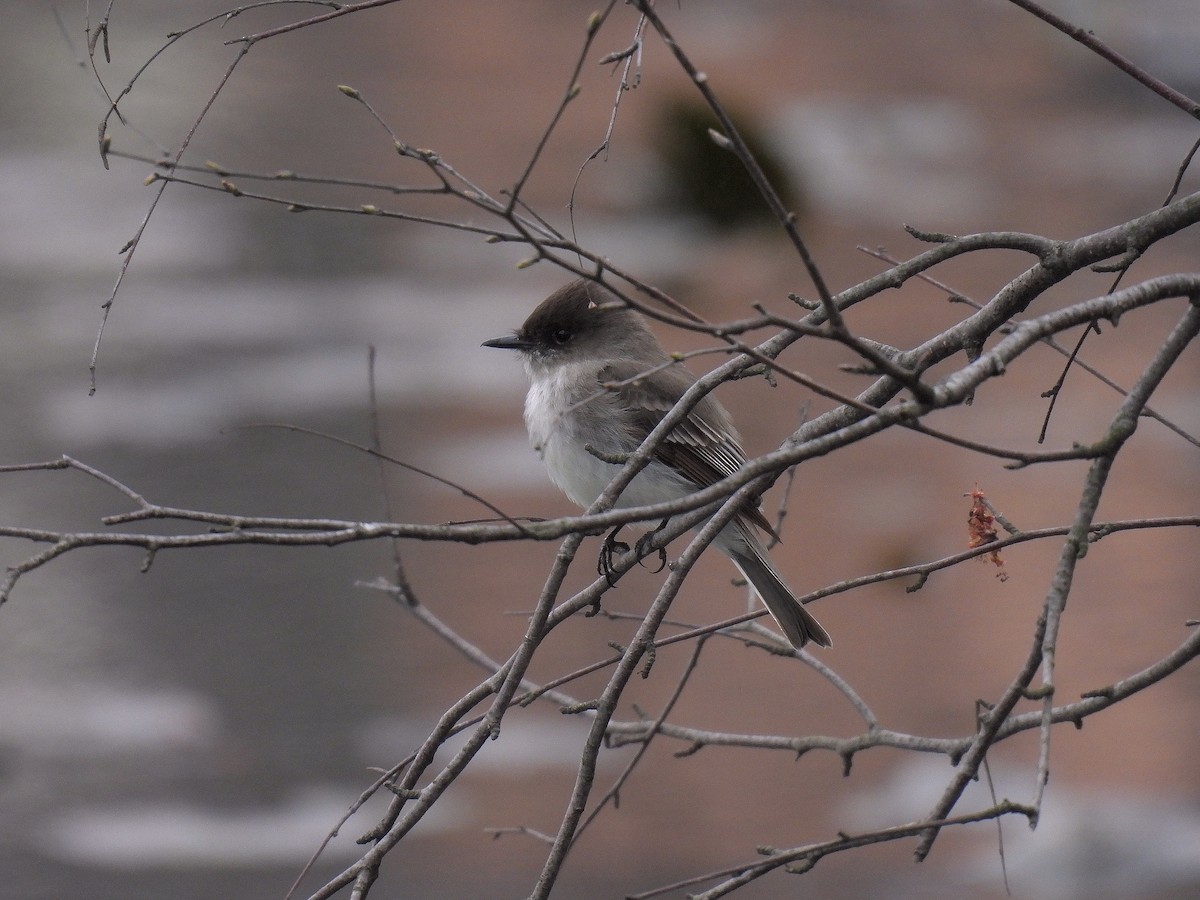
(508, 342)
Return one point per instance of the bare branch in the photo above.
(1089, 40)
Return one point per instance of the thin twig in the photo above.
(1093, 43)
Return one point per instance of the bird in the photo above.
(599, 383)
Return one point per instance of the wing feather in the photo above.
(705, 446)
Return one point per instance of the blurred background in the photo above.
(194, 731)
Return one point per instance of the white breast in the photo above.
(562, 415)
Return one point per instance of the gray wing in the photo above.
(705, 446)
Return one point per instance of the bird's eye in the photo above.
(561, 336)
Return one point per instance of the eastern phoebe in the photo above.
(582, 338)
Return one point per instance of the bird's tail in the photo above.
(798, 624)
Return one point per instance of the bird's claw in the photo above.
(644, 549)
(611, 549)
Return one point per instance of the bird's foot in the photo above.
(610, 549)
(644, 550)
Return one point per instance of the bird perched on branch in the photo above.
(599, 384)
